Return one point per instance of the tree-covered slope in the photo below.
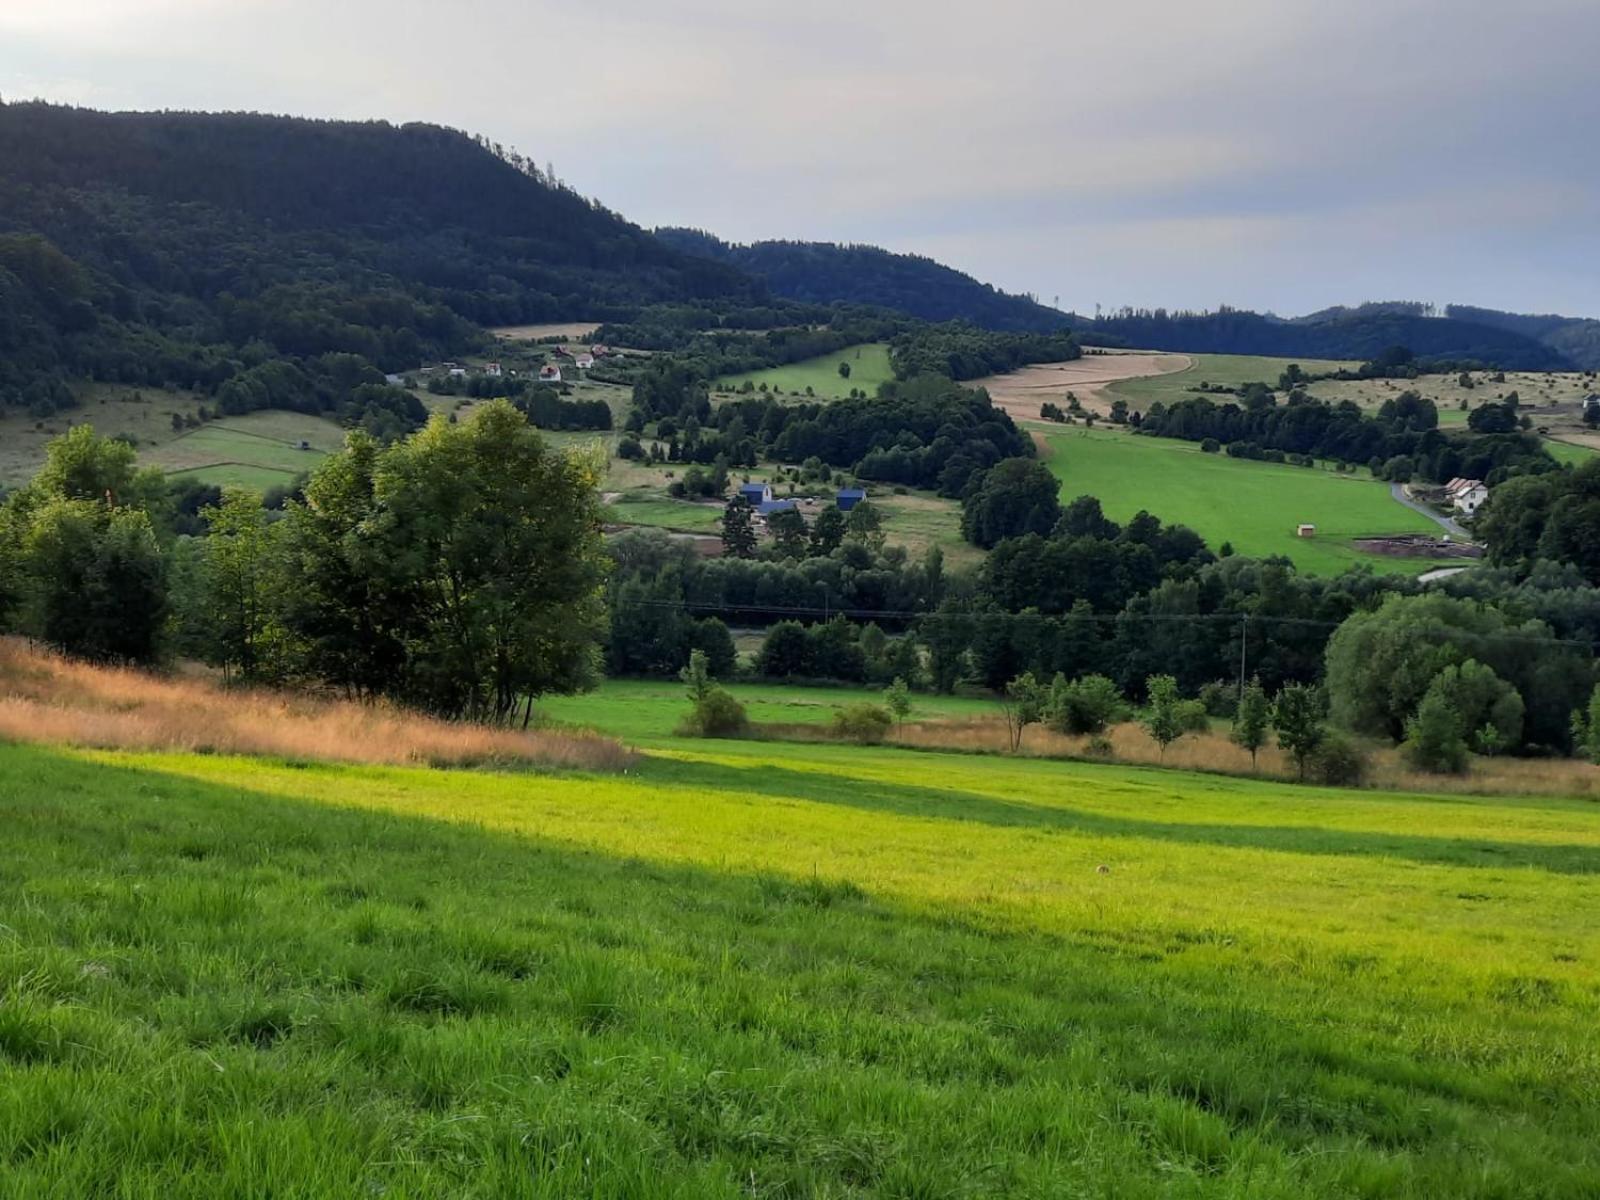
(1344, 334)
(129, 236)
(826, 273)
(1576, 337)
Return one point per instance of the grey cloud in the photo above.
(1282, 153)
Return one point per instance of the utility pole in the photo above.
(1244, 641)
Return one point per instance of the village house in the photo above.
(1466, 496)
(585, 361)
(550, 373)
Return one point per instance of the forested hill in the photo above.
(166, 231)
(1356, 334)
(826, 273)
(1576, 337)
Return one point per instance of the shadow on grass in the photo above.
(874, 795)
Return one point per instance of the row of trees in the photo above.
(459, 570)
(1403, 429)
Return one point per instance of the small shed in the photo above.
(848, 498)
(1305, 531)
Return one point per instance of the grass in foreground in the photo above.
(1254, 505)
(46, 698)
(869, 366)
(755, 972)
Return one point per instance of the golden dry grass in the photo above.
(47, 698)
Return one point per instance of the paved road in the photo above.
(1448, 524)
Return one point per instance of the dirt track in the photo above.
(1022, 391)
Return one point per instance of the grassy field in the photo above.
(642, 710)
(143, 415)
(1254, 505)
(750, 969)
(1566, 452)
(869, 366)
(257, 450)
(1229, 370)
(667, 514)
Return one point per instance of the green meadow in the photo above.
(1569, 452)
(777, 970)
(1227, 370)
(869, 366)
(256, 451)
(1256, 506)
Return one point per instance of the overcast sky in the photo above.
(1282, 154)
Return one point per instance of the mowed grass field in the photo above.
(764, 970)
(1255, 506)
(258, 450)
(1228, 370)
(869, 366)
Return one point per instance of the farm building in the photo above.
(756, 494)
(599, 350)
(848, 498)
(767, 507)
(1305, 531)
(550, 373)
(1466, 496)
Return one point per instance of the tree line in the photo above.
(458, 570)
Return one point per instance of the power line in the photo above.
(1242, 618)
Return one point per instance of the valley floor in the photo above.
(780, 970)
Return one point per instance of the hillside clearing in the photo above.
(1226, 370)
(1253, 505)
(1022, 391)
(869, 367)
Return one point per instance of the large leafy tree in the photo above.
(85, 569)
(243, 578)
(1381, 663)
(499, 537)
(1015, 497)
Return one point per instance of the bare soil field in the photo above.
(1021, 392)
(559, 329)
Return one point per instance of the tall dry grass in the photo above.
(47, 698)
(1214, 752)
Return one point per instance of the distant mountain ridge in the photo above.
(1578, 338)
(1358, 334)
(828, 273)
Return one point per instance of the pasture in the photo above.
(753, 969)
(257, 450)
(143, 416)
(1255, 506)
(869, 366)
(1227, 370)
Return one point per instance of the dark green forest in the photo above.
(828, 273)
(1360, 334)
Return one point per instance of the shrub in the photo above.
(1219, 699)
(864, 723)
(715, 714)
(1099, 746)
(1338, 762)
(1085, 705)
(1434, 740)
